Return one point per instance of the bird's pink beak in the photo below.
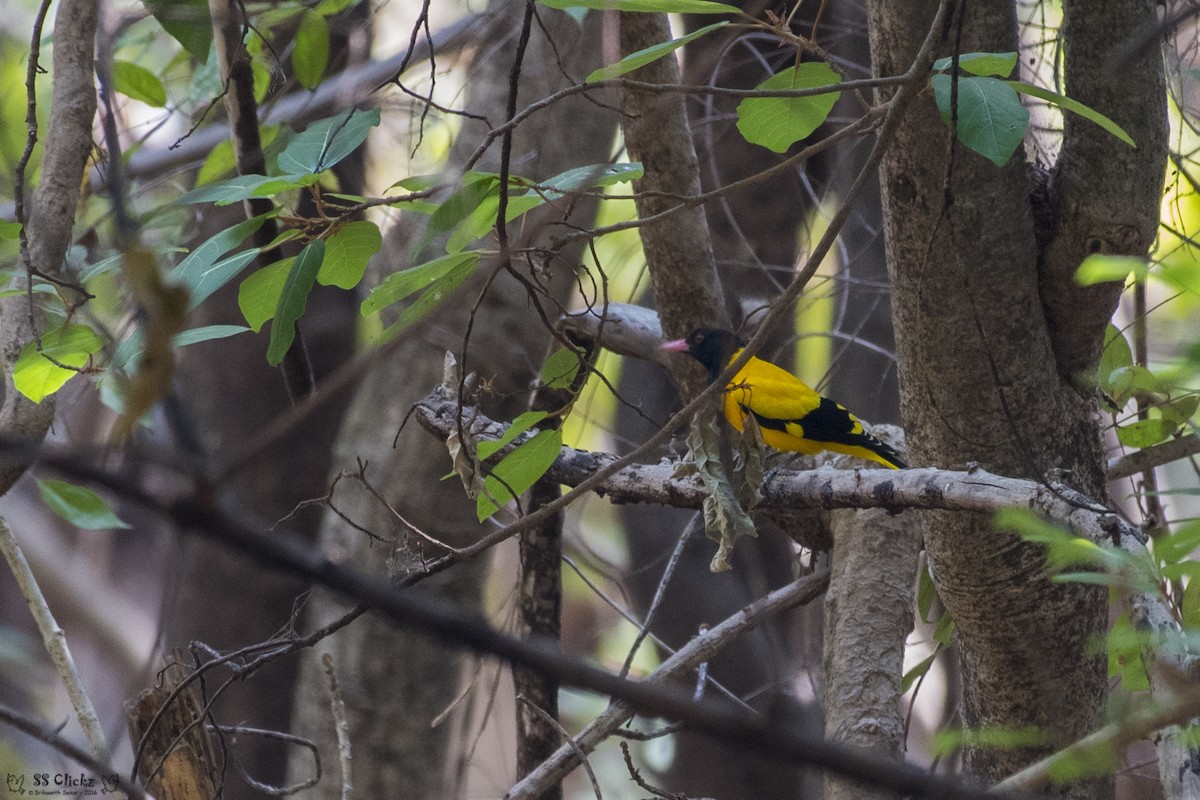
(675, 346)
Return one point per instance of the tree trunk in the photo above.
(395, 685)
(986, 363)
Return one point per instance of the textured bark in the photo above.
(51, 215)
(982, 382)
(1104, 195)
(395, 685)
(232, 393)
(868, 616)
(722, 274)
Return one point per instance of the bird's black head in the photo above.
(712, 347)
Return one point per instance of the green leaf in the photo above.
(78, 505)
(36, 377)
(1191, 605)
(258, 296)
(943, 632)
(482, 218)
(1116, 355)
(1180, 411)
(188, 22)
(649, 55)
(648, 6)
(560, 369)
(310, 55)
(948, 742)
(9, 231)
(261, 77)
(1101, 268)
(1074, 106)
(1124, 648)
(293, 299)
(207, 333)
(139, 83)
(326, 142)
(459, 206)
(918, 670)
(518, 471)
(1127, 382)
(1182, 273)
(1177, 545)
(999, 65)
(1145, 433)
(327, 8)
(522, 423)
(244, 187)
(926, 594)
(347, 252)
(991, 119)
(198, 269)
(221, 160)
(777, 123)
(400, 285)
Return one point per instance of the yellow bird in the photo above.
(790, 415)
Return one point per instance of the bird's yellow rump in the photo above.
(791, 415)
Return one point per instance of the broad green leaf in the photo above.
(326, 142)
(518, 471)
(293, 299)
(1101, 268)
(459, 206)
(917, 672)
(78, 505)
(310, 55)
(777, 123)
(134, 80)
(560, 369)
(430, 299)
(1177, 545)
(1067, 104)
(221, 160)
(186, 20)
(9, 230)
(258, 296)
(999, 65)
(347, 252)
(207, 333)
(926, 594)
(36, 377)
(483, 218)
(1127, 382)
(991, 119)
(196, 268)
(1191, 604)
(649, 55)
(1145, 433)
(1181, 273)
(38, 288)
(1116, 355)
(219, 274)
(574, 180)
(944, 630)
(1124, 650)
(519, 425)
(400, 285)
(649, 6)
(327, 8)
(244, 187)
(1180, 411)
(948, 742)
(260, 75)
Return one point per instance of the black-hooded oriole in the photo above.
(790, 415)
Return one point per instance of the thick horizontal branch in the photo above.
(893, 490)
